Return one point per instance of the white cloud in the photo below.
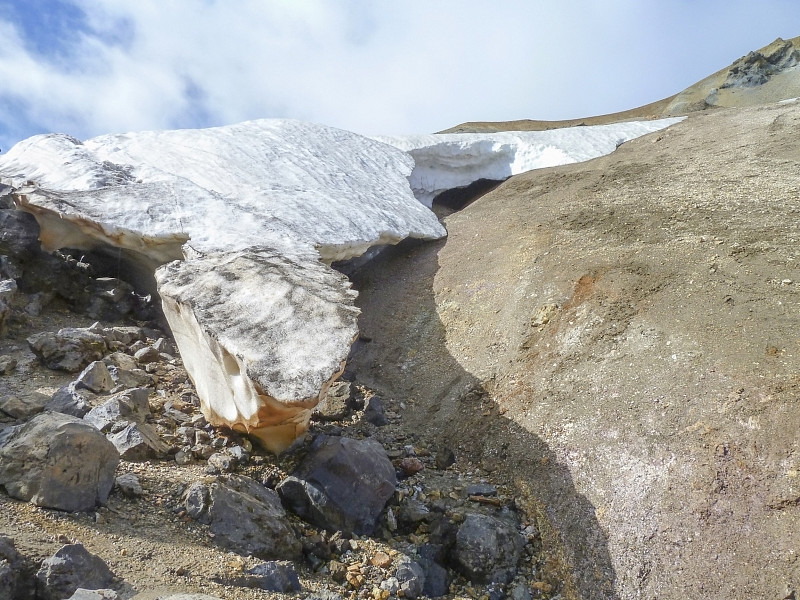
(373, 67)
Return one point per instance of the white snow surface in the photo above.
(283, 184)
(452, 160)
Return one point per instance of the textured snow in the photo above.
(283, 184)
(262, 335)
(447, 161)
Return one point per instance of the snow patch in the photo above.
(447, 161)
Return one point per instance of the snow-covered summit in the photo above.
(447, 161)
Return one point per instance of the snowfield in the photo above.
(447, 161)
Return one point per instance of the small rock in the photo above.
(275, 576)
(165, 346)
(411, 465)
(221, 462)
(127, 405)
(72, 399)
(129, 485)
(71, 567)
(146, 355)
(138, 442)
(338, 571)
(24, 407)
(391, 585)
(69, 350)
(96, 377)
(83, 594)
(374, 412)
(335, 405)
(411, 578)
(481, 489)
(7, 365)
(381, 559)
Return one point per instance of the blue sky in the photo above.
(88, 67)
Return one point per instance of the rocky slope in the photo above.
(618, 339)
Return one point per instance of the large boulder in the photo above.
(58, 461)
(342, 484)
(487, 549)
(70, 349)
(70, 568)
(244, 517)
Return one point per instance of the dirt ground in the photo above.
(619, 339)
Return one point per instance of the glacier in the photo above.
(236, 228)
(446, 161)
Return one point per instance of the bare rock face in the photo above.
(58, 461)
(226, 309)
(343, 484)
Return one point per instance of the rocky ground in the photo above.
(151, 532)
(619, 338)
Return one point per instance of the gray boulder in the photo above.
(137, 442)
(72, 399)
(15, 572)
(129, 405)
(244, 517)
(274, 576)
(71, 349)
(343, 484)
(58, 461)
(374, 412)
(487, 549)
(411, 577)
(70, 568)
(96, 377)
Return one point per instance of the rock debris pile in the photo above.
(104, 447)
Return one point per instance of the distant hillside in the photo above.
(767, 75)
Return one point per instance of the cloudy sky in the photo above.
(87, 67)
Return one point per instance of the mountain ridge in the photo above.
(762, 76)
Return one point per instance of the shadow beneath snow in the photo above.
(402, 354)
